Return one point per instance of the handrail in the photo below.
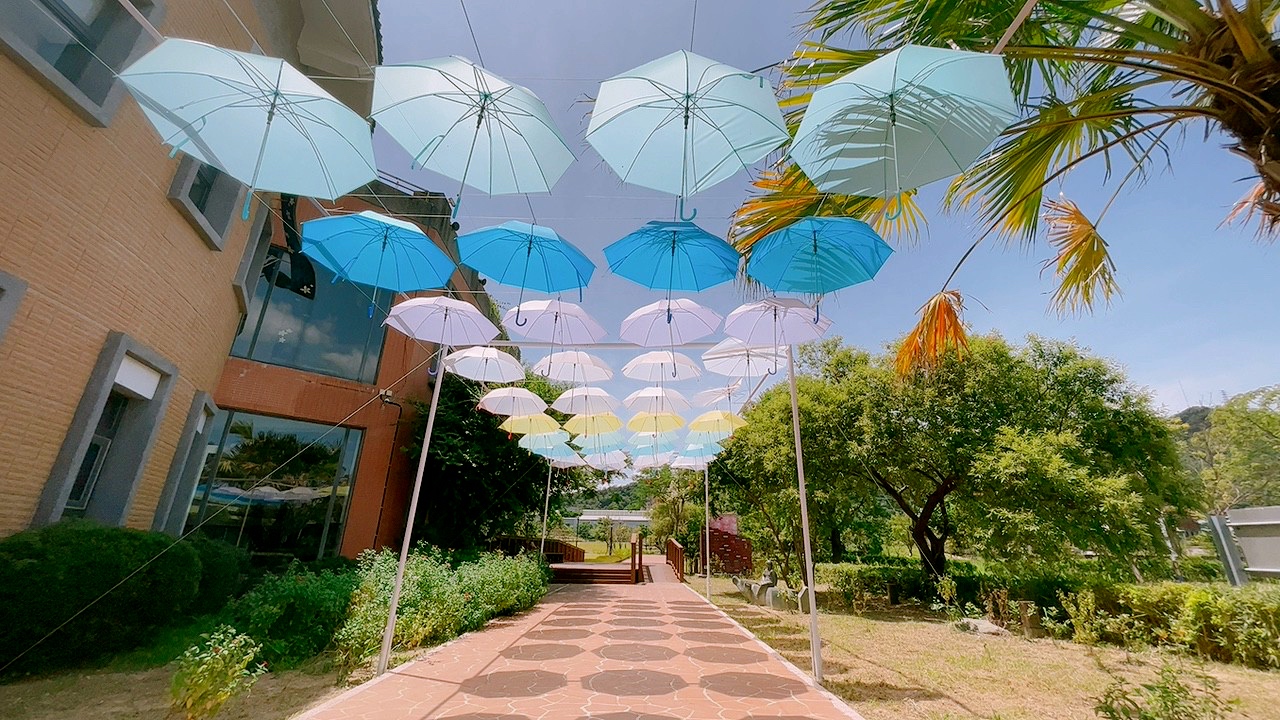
(637, 559)
(675, 558)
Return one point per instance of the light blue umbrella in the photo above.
(683, 123)
(913, 116)
(706, 437)
(600, 444)
(701, 451)
(466, 123)
(554, 452)
(253, 117)
(373, 249)
(527, 256)
(657, 446)
(542, 441)
(673, 256)
(818, 255)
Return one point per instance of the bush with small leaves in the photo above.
(211, 673)
(1174, 695)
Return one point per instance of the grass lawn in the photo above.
(906, 664)
(597, 551)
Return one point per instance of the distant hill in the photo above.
(632, 496)
(1196, 418)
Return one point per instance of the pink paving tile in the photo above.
(688, 661)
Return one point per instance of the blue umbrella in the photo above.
(527, 256)
(373, 249)
(673, 256)
(818, 255)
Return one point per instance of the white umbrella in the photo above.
(484, 364)
(669, 322)
(447, 322)
(703, 437)
(585, 401)
(544, 441)
(714, 395)
(657, 400)
(775, 322)
(661, 365)
(648, 437)
(734, 358)
(553, 321)
(645, 462)
(573, 366)
(512, 401)
(685, 462)
(615, 460)
(568, 462)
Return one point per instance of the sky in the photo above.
(1198, 315)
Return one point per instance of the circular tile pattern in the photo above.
(637, 621)
(634, 683)
(557, 634)
(636, 635)
(541, 651)
(514, 683)
(570, 621)
(705, 624)
(725, 655)
(636, 653)
(714, 637)
(562, 612)
(753, 685)
(635, 613)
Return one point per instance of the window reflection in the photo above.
(277, 487)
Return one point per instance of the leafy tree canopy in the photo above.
(1234, 449)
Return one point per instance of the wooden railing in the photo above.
(675, 558)
(557, 551)
(637, 559)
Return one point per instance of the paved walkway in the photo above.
(657, 651)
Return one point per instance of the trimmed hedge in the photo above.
(295, 615)
(223, 572)
(50, 574)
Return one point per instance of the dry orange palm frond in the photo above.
(1083, 265)
(941, 327)
(1255, 205)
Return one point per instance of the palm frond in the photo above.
(941, 328)
(1255, 206)
(1083, 264)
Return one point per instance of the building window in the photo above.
(209, 199)
(188, 462)
(301, 318)
(12, 288)
(75, 47)
(280, 488)
(112, 433)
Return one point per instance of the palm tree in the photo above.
(1103, 81)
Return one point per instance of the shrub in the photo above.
(223, 568)
(294, 615)
(1172, 696)
(211, 673)
(494, 586)
(50, 574)
(1202, 569)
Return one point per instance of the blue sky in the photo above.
(1197, 317)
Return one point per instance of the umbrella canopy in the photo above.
(673, 256)
(593, 424)
(661, 365)
(701, 451)
(774, 322)
(538, 424)
(571, 461)
(657, 444)
(734, 358)
(466, 123)
(656, 400)
(512, 401)
(683, 123)
(669, 322)
(910, 117)
(543, 440)
(644, 462)
(526, 256)
(715, 395)
(615, 460)
(377, 250)
(441, 320)
(688, 463)
(598, 444)
(608, 437)
(818, 255)
(573, 366)
(585, 401)
(716, 421)
(559, 451)
(705, 437)
(553, 321)
(655, 422)
(256, 118)
(484, 364)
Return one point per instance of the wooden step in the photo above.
(591, 575)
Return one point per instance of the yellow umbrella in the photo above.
(655, 422)
(530, 424)
(716, 421)
(596, 424)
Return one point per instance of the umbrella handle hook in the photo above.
(519, 320)
(693, 215)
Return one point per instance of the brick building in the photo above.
(127, 278)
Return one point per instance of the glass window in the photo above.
(83, 41)
(208, 197)
(337, 332)
(96, 455)
(277, 487)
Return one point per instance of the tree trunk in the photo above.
(837, 546)
(933, 549)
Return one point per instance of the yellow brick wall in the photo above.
(86, 222)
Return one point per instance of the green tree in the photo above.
(675, 510)
(1108, 82)
(1234, 449)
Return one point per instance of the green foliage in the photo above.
(295, 614)
(437, 601)
(223, 569)
(1234, 449)
(212, 672)
(1174, 695)
(50, 574)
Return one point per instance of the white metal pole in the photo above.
(815, 640)
(546, 508)
(706, 489)
(388, 634)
